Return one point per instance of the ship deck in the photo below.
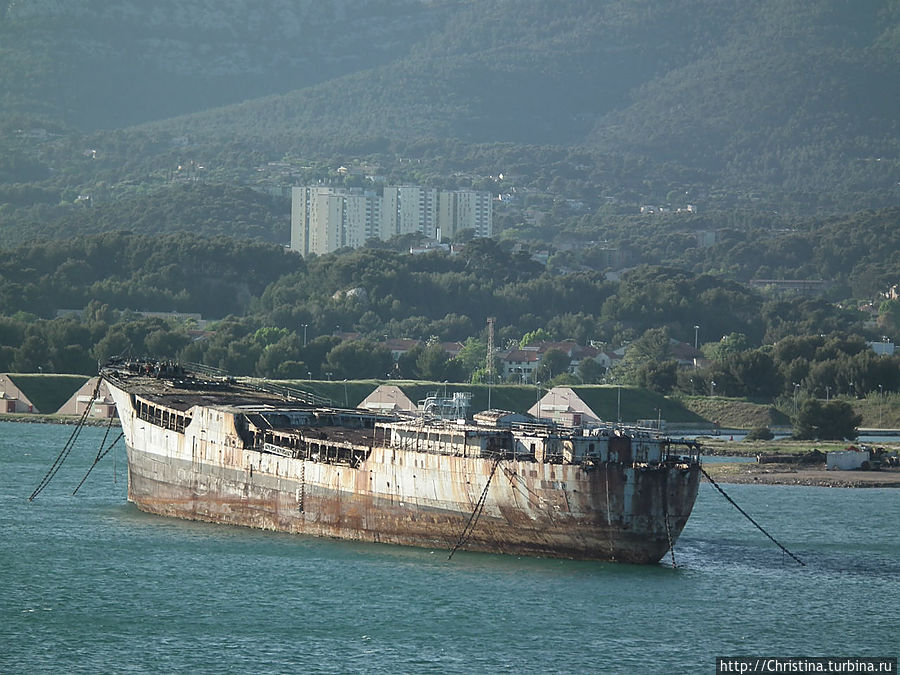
(183, 394)
(273, 413)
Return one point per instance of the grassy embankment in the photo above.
(609, 402)
(48, 392)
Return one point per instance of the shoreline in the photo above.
(752, 473)
(38, 418)
(791, 472)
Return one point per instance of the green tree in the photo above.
(430, 362)
(659, 376)
(7, 356)
(315, 351)
(473, 354)
(241, 357)
(532, 337)
(114, 343)
(407, 364)
(32, 355)
(272, 360)
(652, 346)
(889, 315)
(760, 434)
(269, 335)
(754, 373)
(74, 359)
(12, 331)
(291, 370)
(555, 362)
(358, 359)
(164, 343)
(834, 420)
(590, 371)
(730, 344)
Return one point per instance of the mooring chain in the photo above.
(669, 537)
(665, 507)
(67, 448)
(747, 516)
(476, 513)
(101, 453)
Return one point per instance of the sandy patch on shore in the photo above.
(791, 474)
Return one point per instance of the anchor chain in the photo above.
(747, 516)
(101, 453)
(669, 538)
(665, 506)
(476, 513)
(67, 448)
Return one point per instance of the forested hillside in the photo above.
(857, 255)
(213, 210)
(780, 104)
(94, 64)
(132, 271)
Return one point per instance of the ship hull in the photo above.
(611, 513)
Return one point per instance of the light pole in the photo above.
(696, 344)
(305, 325)
(346, 401)
(712, 387)
(881, 403)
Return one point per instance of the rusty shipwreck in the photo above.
(219, 450)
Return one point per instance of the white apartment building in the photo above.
(472, 210)
(324, 219)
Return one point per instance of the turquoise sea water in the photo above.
(89, 584)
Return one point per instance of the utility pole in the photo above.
(489, 365)
(619, 404)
